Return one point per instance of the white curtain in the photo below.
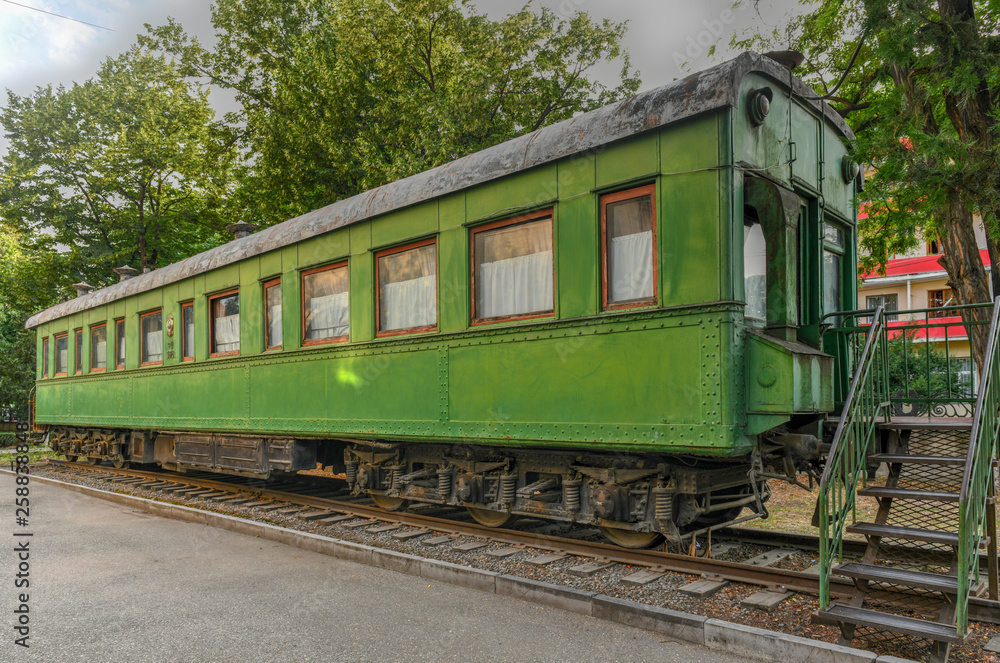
(408, 304)
(153, 345)
(515, 285)
(274, 325)
(328, 316)
(189, 339)
(101, 350)
(227, 333)
(630, 266)
(62, 358)
(755, 272)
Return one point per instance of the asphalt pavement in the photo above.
(109, 583)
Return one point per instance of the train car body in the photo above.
(613, 320)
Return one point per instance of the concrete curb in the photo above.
(712, 633)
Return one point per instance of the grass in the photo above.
(791, 508)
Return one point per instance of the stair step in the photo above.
(906, 494)
(907, 533)
(896, 576)
(917, 460)
(956, 426)
(896, 623)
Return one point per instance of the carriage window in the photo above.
(99, 348)
(225, 327)
(407, 288)
(628, 227)
(187, 331)
(272, 315)
(62, 354)
(755, 272)
(513, 268)
(833, 267)
(325, 304)
(151, 338)
(78, 348)
(119, 344)
(45, 357)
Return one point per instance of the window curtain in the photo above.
(227, 333)
(327, 316)
(274, 325)
(408, 304)
(755, 272)
(516, 285)
(189, 339)
(153, 345)
(62, 358)
(101, 353)
(630, 265)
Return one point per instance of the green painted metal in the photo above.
(865, 404)
(978, 482)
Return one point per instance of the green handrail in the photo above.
(845, 465)
(977, 481)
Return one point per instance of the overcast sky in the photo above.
(39, 49)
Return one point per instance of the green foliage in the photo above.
(923, 371)
(339, 96)
(127, 167)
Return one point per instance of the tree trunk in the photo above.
(966, 274)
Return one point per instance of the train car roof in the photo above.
(699, 93)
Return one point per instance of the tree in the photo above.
(126, 168)
(922, 98)
(339, 96)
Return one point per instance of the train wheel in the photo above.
(71, 459)
(93, 460)
(491, 518)
(631, 539)
(120, 464)
(389, 503)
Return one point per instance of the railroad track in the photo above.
(330, 503)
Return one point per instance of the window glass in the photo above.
(45, 357)
(187, 331)
(225, 324)
(62, 354)
(120, 343)
(833, 234)
(513, 271)
(151, 328)
(272, 315)
(99, 348)
(407, 283)
(939, 298)
(755, 272)
(832, 275)
(630, 250)
(887, 301)
(325, 303)
(78, 357)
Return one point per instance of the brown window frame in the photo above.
(270, 283)
(56, 337)
(517, 220)
(211, 324)
(142, 337)
(943, 299)
(185, 305)
(78, 351)
(92, 330)
(119, 338)
(378, 290)
(302, 303)
(616, 197)
(45, 357)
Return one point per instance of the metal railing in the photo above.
(978, 482)
(865, 401)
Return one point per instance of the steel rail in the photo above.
(796, 581)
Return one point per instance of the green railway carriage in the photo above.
(614, 319)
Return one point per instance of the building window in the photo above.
(151, 338)
(407, 288)
(225, 327)
(325, 304)
(628, 244)
(62, 354)
(187, 332)
(512, 268)
(933, 248)
(833, 268)
(99, 348)
(119, 344)
(939, 298)
(889, 302)
(272, 315)
(78, 352)
(45, 357)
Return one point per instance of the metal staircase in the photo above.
(934, 519)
